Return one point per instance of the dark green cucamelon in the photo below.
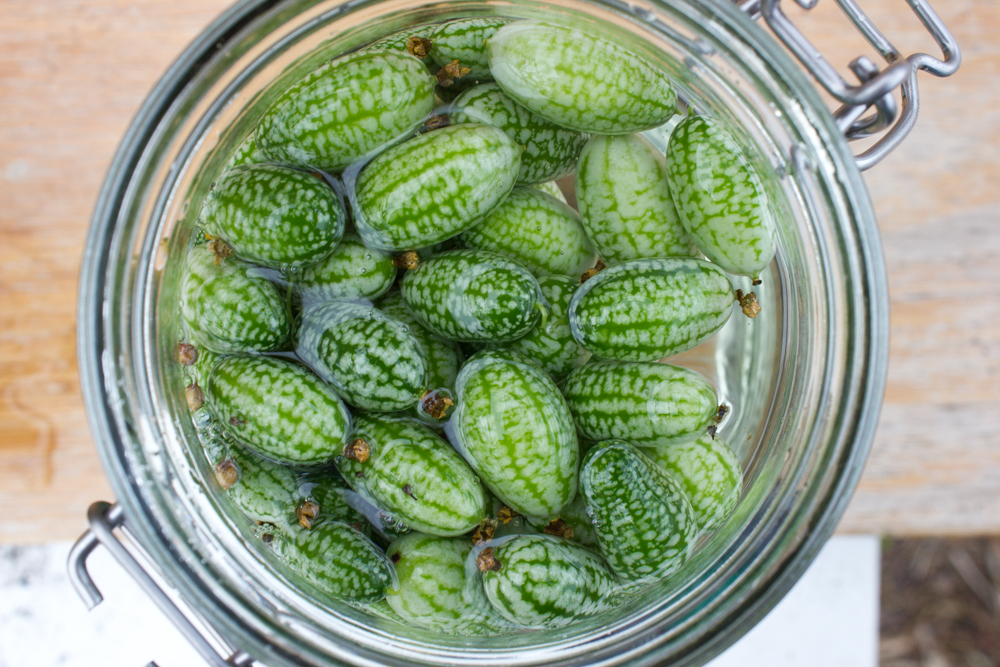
(578, 80)
(647, 309)
(709, 472)
(550, 151)
(624, 200)
(464, 40)
(551, 344)
(642, 516)
(473, 295)
(545, 581)
(352, 271)
(434, 186)
(369, 358)
(720, 197)
(645, 403)
(278, 409)
(513, 427)
(536, 230)
(414, 474)
(346, 108)
(228, 307)
(275, 216)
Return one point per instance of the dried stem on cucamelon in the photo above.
(357, 450)
(486, 561)
(749, 303)
(306, 512)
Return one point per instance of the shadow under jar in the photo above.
(804, 379)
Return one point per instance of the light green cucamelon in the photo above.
(647, 309)
(536, 230)
(720, 197)
(645, 403)
(228, 307)
(513, 427)
(642, 516)
(274, 216)
(624, 200)
(473, 296)
(434, 186)
(550, 151)
(579, 80)
(278, 409)
(709, 472)
(414, 474)
(352, 271)
(464, 40)
(545, 581)
(370, 359)
(346, 108)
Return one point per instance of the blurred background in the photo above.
(918, 552)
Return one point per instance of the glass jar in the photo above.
(804, 379)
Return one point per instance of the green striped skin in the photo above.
(275, 216)
(550, 151)
(328, 489)
(370, 359)
(464, 40)
(551, 345)
(551, 188)
(647, 309)
(397, 41)
(710, 474)
(545, 581)
(625, 203)
(443, 356)
(246, 153)
(513, 427)
(338, 560)
(265, 491)
(434, 186)
(433, 589)
(646, 403)
(579, 81)
(720, 197)
(229, 308)
(414, 474)
(536, 230)
(351, 272)
(278, 409)
(473, 296)
(347, 108)
(642, 516)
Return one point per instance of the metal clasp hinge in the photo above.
(875, 90)
(104, 518)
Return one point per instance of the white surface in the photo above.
(829, 619)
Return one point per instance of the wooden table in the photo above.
(73, 72)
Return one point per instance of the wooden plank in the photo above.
(73, 72)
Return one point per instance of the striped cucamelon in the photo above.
(624, 200)
(513, 427)
(642, 516)
(537, 231)
(709, 472)
(370, 359)
(473, 296)
(464, 40)
(550, 151)
(434, 186)
(413, 473)
(647, 309)
(346, 108)
(228, 307)
(579, 80)
(571, 523)
(323, 494)
(352, 271)
(551, 344)
(551, 188)
(720, 197)
(265, 491)
(645, 403)
(545, 581)
(274, 216)
(336, 559)
(278, 409)
(434, 589)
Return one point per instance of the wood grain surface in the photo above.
(73, 73)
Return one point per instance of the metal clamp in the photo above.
(876, 88)
(104, 518)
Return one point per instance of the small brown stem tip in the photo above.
(486, 562)
(749, 303)
(357, 450)
(195, 397)
(226, 473)
(559, 528)
(306, 512)
(590, 273)
(506, 515)
(408, 261)
(220, 249)
(436, 404)
(418, 46)
(187, 354)
(453, 70)
(484, 531)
